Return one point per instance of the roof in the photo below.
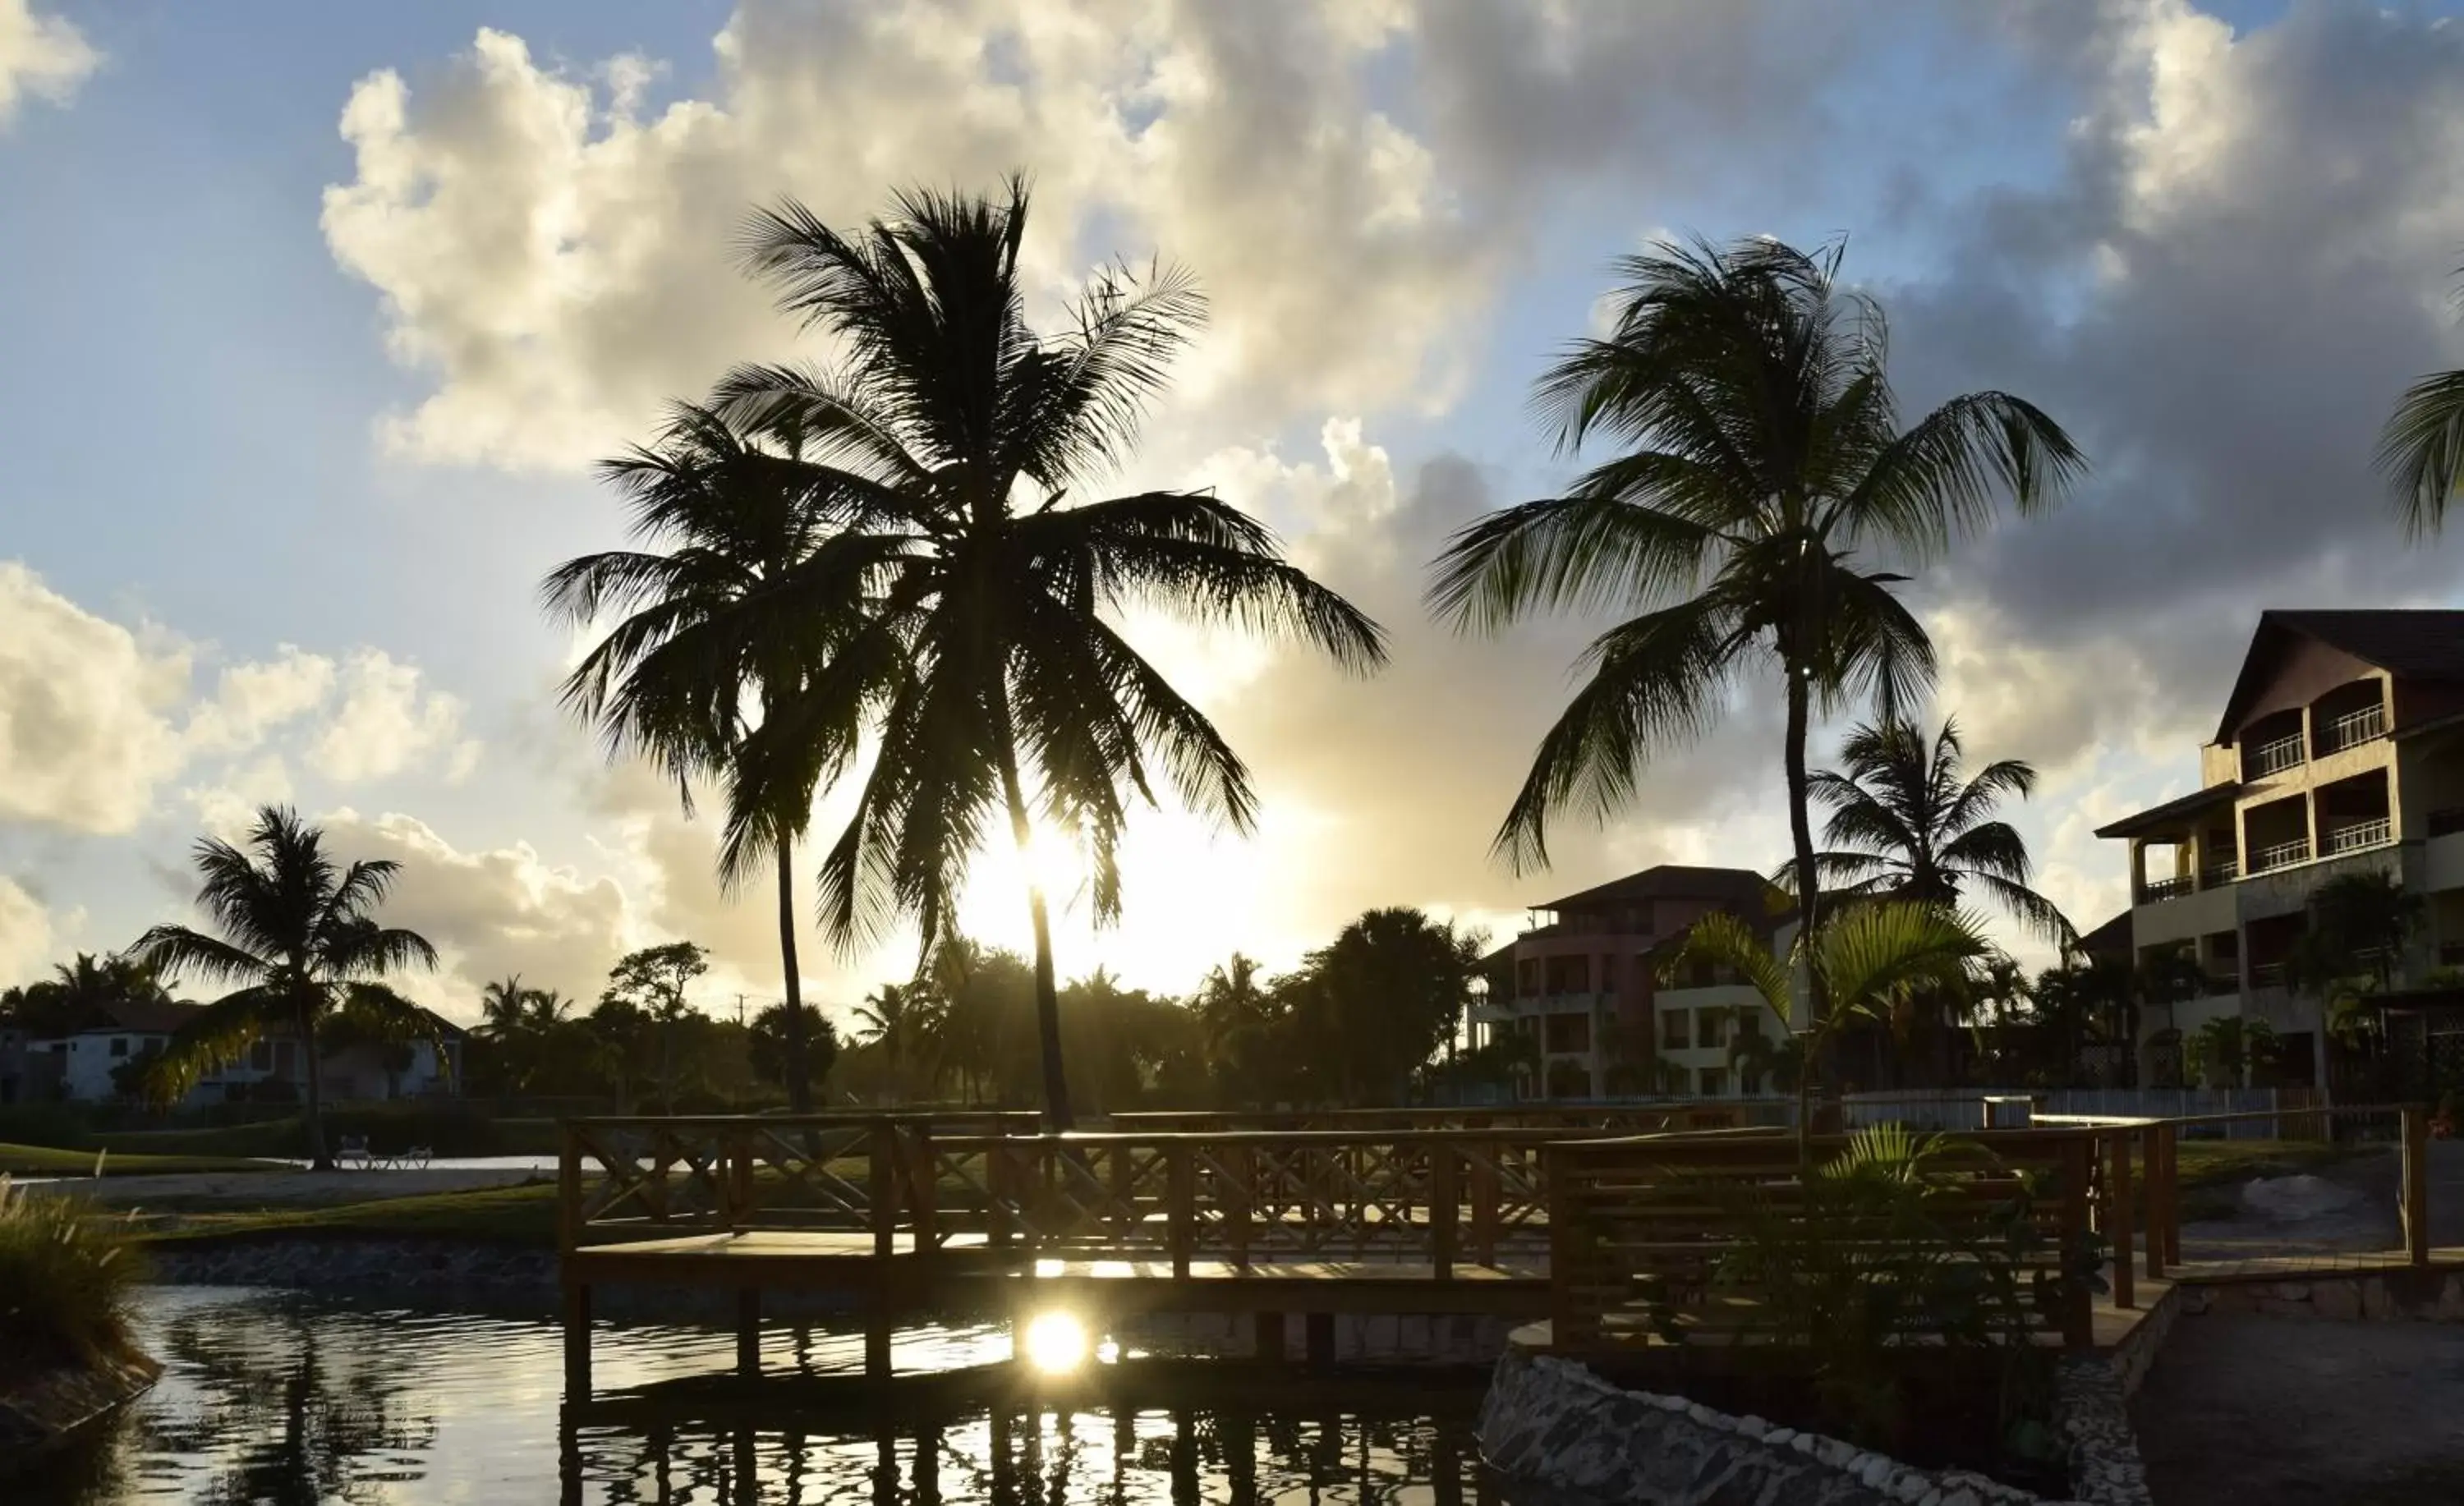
(1671, 881)
(2409, 643)
(2170, 811)
(138, 1016)
(2113, 936)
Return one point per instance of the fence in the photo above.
(1964, 1108)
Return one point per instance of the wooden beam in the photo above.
(2116, 1218)
(2078, 1313)
(2415, 1123)
(577, 1342)
(748, 1331)
(2151, 1154)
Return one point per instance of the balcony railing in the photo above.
(2354, 726)
(2266, 974)
(2447, 820)
(2280, 855)
(2224, 870)
(2223, 983)
(2360, 835)
(2283, 754)
(2166, 888)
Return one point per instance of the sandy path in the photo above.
(244, 1189)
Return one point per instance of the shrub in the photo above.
(65, 1280)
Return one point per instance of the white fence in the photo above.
(1964, 1108)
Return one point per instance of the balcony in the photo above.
(2267, 974)
(2360, 836)
(2166, 889)
(2217, 983)
(2353, 729)
(2272, 757)
(2224, 870)
(2281, 855)
(2447, 820)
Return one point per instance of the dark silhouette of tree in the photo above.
(299, 937)
(651, 982)
(1766, 467)
(707, 646)
(81, 991)
(952, 451)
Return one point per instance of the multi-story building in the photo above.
(1586, 987)
(2341, 750)
(90, 1065)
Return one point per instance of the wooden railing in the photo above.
(1628, 1118)
(1643, 1232)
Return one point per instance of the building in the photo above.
(2341, 750)
(92, 1064)
(1586, 988)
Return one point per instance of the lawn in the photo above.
(2212, 1171)
(525, 1215)
(45, 1160)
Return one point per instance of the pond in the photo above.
(293, 1398)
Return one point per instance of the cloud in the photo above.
(84, 705)
(42, 55)
(388, 723)
(25, 933)
(253, 699)
(491, 912)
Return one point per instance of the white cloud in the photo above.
(84, 707)
(253, 699)
(388, 723)
(42, 55)
(25, 933)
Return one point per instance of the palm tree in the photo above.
(990, 671)
(1767, 465)
(898, 1018)
(301, 939)
(1868, 960)
(1905, 824)
(504, 1008)
(2421, 451)
(708, 647)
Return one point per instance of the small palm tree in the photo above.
(300, 938)
(1766, 465)
(1868, 960)
(708, 647)
(504, 1008)
(898, 1018)
(954, 451)
(1905, 824)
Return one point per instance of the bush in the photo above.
(65, 1280)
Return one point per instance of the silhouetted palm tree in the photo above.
(2421, 451)
(709, 646)
(991, 671)
(1766, 465)
(504, 1008)
(1905, 824)
(899, 1017)
(301, 939)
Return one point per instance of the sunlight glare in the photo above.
(1055, 1343)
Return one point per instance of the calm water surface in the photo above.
(288, 1398)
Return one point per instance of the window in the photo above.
(1714, 1081)
(1750, 1023)
(260, 1056)
(119, 1045)
(1673, 1032)
(1570, 974)
(1527, 977)
(1570, 1032)
(1712, 1026)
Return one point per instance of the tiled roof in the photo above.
(1671, 881)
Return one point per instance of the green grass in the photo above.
(2212, 1171)
(525, 1215)
(273, 1137)
(46, 1160)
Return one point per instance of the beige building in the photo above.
(1586, 988)
(2340, 749)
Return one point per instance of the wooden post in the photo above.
(2079, 1314)
(568, 1192)
(1239, 1200)
(1568, 1328)
(876, 1341)
(1180, 1213)
(2416, 1184)
(577, 1342)
(2151, 1154)
(1443, 1195)
(1125, 1191)
(740, 1153)
(1319, 1328)
(2117, 1219)
(881, 1187)
(1269, 1342)
(924, 1187)
(2172, 1138)
(748, 1331)
(1484, 1197)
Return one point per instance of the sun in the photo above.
(1055, 1343)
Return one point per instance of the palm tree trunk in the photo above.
(800, 1087)
(312, 1117)
(1048, 993)
(1808, 883)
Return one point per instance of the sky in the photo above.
(313, 317)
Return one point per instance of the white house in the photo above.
(90, 1063)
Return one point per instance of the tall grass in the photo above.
(66, 1275)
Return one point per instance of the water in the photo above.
(290, 1398)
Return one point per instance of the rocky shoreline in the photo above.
(46, 1410)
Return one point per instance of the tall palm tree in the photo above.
(898, 1018)
(1903, 824)
(1766, 467)
(707, 647)
(1868, 960)
(300, 938)
(954, 450)
(504, 1008)
(2421, 451)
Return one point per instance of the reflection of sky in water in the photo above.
(285, 1398)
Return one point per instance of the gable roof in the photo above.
(138, 1016)
(2411, 644)
(1671, 881)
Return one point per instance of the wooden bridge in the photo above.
(1567, 1220)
